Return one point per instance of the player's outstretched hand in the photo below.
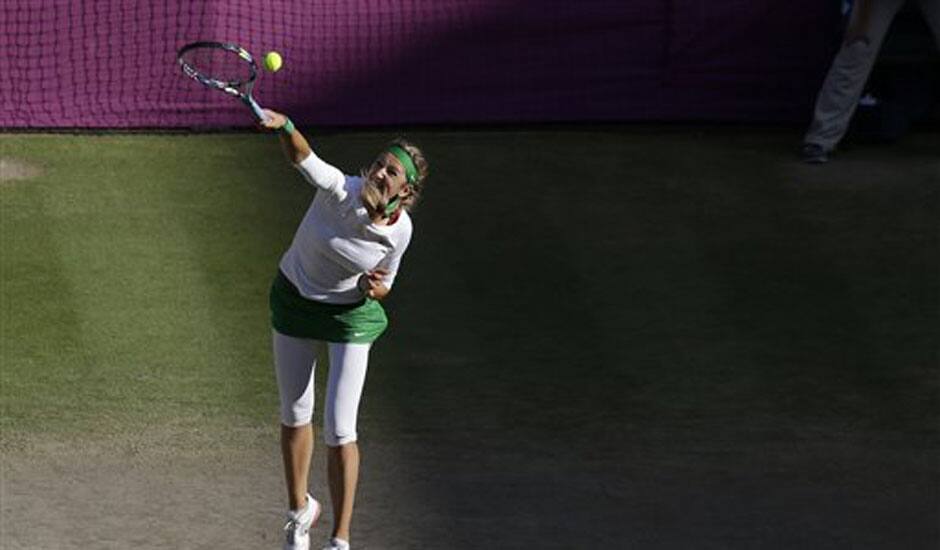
(275, 120)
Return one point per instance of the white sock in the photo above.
(339, 543)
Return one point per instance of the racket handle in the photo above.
(256, 109)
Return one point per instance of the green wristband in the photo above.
(288, 127)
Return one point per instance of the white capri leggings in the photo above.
(295, 361)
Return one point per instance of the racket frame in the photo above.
(238, 88)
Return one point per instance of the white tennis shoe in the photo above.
(297, 536)
(337, 544)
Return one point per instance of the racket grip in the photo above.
(256, 109)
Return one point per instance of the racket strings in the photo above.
(218, 64)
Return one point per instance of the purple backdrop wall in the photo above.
(111, 63)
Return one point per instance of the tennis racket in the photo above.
(225, 67)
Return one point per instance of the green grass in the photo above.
(134, 280)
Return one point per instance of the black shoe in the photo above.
(812, 153)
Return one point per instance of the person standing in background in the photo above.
(844, 83)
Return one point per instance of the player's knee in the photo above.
(296, 414)
(338, 437)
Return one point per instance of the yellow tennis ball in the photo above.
(272, 61)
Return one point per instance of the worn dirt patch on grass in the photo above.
(17, 170)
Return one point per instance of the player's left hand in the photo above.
(371, 283)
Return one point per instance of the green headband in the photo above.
(410, 172)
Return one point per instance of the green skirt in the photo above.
(294, 315)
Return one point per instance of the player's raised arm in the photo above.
(298, 151)
(294, 144)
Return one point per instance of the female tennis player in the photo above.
(325, 297)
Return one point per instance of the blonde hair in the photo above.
(373, 198)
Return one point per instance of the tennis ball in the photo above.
(272, 61)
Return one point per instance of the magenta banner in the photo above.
(112, 63)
